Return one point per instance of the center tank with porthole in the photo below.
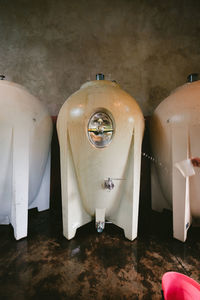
(100, 129)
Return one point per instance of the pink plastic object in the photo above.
(177, 286)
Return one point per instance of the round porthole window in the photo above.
(100, 129)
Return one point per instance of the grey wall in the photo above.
(52, 47)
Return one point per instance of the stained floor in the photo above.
(92, 266)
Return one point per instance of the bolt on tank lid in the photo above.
(100, 76)
(2, 77)
(193, 77)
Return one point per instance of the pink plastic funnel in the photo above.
(177, 286)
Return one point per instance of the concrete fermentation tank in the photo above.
(175, 139)
(25, 137)
(100, 130)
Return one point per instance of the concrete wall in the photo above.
(52, 47)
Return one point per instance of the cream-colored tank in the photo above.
(175, 139)
(25, 137)
(100, 130)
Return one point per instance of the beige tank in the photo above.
(100, 130)
(25, 140)
(175, 139)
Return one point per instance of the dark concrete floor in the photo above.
(93, 266)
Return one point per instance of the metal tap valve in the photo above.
(108, 184)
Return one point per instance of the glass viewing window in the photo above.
(100, 129)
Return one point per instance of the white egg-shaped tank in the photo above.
(175, 139)
(25, 138)
(100, 130)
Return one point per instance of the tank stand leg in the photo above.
(20, 181)
(100, 219)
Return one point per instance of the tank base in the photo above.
(20, 185)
